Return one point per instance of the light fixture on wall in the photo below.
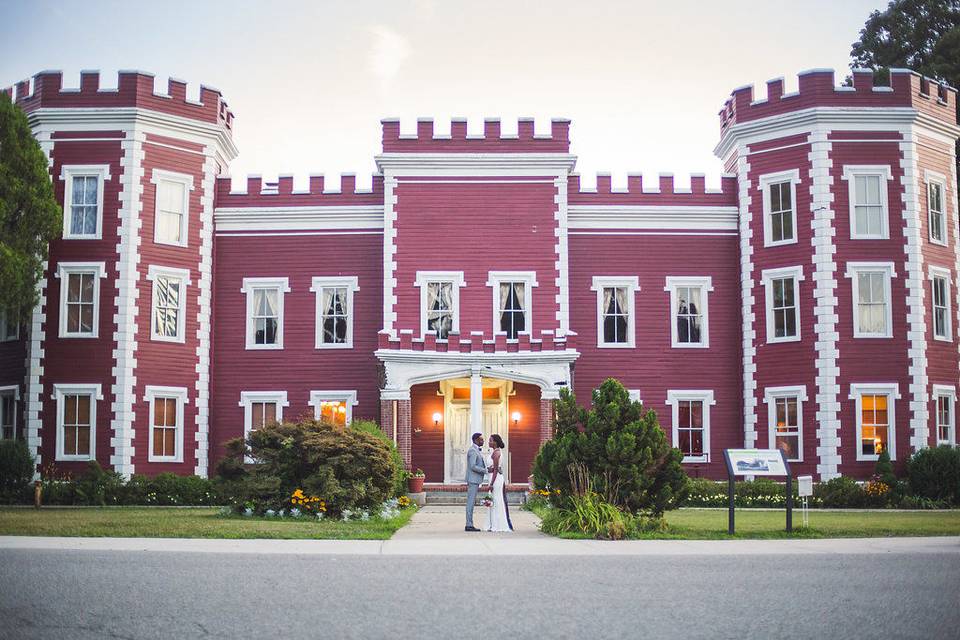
(436, 419)
(515, 416)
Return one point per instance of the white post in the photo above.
(476, 403)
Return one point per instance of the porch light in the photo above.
(436, 419)
(515, 416)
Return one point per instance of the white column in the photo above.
(476, 403)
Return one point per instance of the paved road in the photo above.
(78, 594)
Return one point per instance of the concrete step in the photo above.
(450, 498)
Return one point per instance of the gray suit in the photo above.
(476, 470)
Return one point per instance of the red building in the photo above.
(810, 303)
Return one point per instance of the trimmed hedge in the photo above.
(97, 487)
(935, 474)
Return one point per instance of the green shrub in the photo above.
(883, 470)
(840, 492)
(97, 487)
(399, 469)
(935, 474)
(16, 471)
(629, 461)
(588, 514)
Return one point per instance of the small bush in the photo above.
(399, 469)
(16, 470)
(588, 514)
(841, 492)
(96, 487)
(935, 474)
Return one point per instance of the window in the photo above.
(83, 201)
(169, 303)
(785, 420)
(9, 326)
(8, 412)
(688, 310)
(615, 310)
(334, 324)
(439, 302)
(867, 189)
(945, 399)
(691, 423)
(79, 298)
(265, 311)
(512, 298)
(335, 407)
(872, 315)
(779, 207)
(172, 212)
(76, 420)
(940, 303)
(937, 219)
(166, 422)
(782, 292)
(875, 419)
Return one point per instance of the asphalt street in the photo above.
(79, 594)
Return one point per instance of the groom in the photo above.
(476, 470)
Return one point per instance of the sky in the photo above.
(309, 82)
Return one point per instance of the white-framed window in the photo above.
(83, 200)
(172, 213)
(616, 310)
(76, 420)
(936, 207)
(872, 313)
(940, 303)
(9, 326)
(691, 422)
(166, 422)
(876, 424)
(869, 212)
(785, 419)
(265, 311)
(335, 407)
(334, 321)
(439, 302)
(634, 395)
(512, 302)
(945, 414)
(168, 313)
(9, 399)
(689, 318)
(261, 408)
(80, 298)
(779, 207)
(782, 294)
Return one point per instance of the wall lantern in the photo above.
(436, 419)
(515, 416)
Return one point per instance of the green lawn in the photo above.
(703, 524)
(199, 522)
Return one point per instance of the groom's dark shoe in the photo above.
(470, 529)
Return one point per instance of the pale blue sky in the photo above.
(310, 81)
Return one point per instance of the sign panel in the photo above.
(756, 462)
(804, 486)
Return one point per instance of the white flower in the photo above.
(248, 512)
(294, 513)
(269, 513)
(320, 516)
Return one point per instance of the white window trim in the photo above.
(151, 393)
(851, 171)
(632, 283)
(793, 177)
(706, 283)
(16, 402)
(183, 275)
(319, 283)
(853, 269)
(940, 272)
(8, 337)
(940, 390)
(67, 173)
(283, 287)
(453, 277)
(529, 278)
(892, 391)
(162, 175)
(770, 394)
(634, 395)
(64, 269)
(347, 397)
(95, 393)
(767, 278)
(931, 178)
(705, 395)
(247, 398)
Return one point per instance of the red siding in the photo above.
(428, 445)
(525, 434)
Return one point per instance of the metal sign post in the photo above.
(756, 462)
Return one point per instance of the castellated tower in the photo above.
(117, 354)
(848, 252)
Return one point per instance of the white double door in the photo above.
(457, 438)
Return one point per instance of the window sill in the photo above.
(66, 458)
(155, 338)
(158, 459)
(945, 339)
(939, 243)
(686, 345)
(265, 347)
(82, 237)
(695, 460)
(861, 237)
(614, 345)
(78, 335)
(781, 340)
(337, 347)
(868, 336)
(779, 243)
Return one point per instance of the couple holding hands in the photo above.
(498, 513)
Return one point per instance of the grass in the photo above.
(709, 524)
(199, 522)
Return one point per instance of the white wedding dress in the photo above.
(498, 514)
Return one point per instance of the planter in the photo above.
(415, 484)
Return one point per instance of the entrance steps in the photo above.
(449, 495)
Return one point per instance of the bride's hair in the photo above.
(496, 438)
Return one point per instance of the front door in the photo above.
(495, 421)
(457, 441)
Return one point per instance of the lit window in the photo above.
(872, 315)
(867, 189)
(172, 207)
(265, 311)
(512, 296)
(79, 298)
(615, 310)
(333, 407)
(166, 422)
(785, 420)
(937, 219)
(334, 311)
(691, 423)
(779, 207)
(8, 412)
(169, 303)
(76, 420)
(83, 200)
(9, 326)
(688, 310)
(439, 302)
(875, 419)
(940, 303)
(782, 289)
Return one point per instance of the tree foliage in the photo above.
(29, 214)
(624, 450)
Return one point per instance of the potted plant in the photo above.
(415, 481)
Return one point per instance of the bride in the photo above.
(498, 515)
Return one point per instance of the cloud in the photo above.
(388, 51)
